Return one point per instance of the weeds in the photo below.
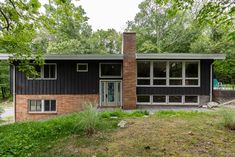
(90, 119)
(228, 119)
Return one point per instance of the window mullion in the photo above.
(167, 73)
(42, 72)
(151, 73)
(183, 73)
(43, 109)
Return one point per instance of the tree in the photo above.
(103, 41)
(19, 22)
(4, 79)
(69, 31)
(159, 29)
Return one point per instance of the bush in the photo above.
(90, 119)
(228, 119)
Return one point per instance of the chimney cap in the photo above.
(129, 32)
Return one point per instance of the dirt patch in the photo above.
(174, 136)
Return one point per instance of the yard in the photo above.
(165, 133)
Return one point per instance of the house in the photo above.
(128, 80)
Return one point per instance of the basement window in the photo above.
(41, 106)
(191, 99)
(82, 67)
(143, 99)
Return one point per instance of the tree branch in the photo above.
(12, 3)
(6, 18)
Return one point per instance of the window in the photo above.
(159, 73)
(175, 69)
(35, 105)
(159, 99)
(168, 73)
(42, 106)
(111, 70)
(191, 99)
(191, 73)
(175, 99)
(47, 71)
(143, 98)
(82, 67)
(143, 73)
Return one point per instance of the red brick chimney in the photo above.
(129, 70)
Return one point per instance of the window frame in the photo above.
(168, 78)
(167, 102)
(42, 73)
(109, 76)
(42, 107)
(145, 103)
(86, 64)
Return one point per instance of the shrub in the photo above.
(90, 119)
(228, 118)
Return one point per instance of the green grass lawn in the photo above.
(166, 133)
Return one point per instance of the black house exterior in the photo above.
(128, 80)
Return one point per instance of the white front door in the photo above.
(110, 93)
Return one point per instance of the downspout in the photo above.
(211, 81)
(14, 92)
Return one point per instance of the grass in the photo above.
(228, 120)
(166, 133)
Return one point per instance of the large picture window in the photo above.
(47, 71)
(168, 73)
(111, 70)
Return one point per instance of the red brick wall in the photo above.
(129, 71)
(65, 104)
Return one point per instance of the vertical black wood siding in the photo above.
(68, 81)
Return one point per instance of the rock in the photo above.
(147, 147)
(190, 133)
(145, 116)
(113, 117)
(212, 104)
(122, 124)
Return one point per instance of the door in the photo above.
(110, 93)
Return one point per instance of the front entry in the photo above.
(110, 93)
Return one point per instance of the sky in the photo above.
(106, 14)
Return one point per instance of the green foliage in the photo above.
(119, 113)
(4, 79)
(228, 118)
(21, 139)
(186, 114)
(90, 119)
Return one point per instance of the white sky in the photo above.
(104, 14)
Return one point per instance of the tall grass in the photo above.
(228, 118)
(90, 119)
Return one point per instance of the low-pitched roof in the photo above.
(120, 56)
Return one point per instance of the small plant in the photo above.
(228, 119)
(90, 119)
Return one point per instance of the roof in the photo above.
(120, 56)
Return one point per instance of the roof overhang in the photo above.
(140, 56)
(179, 56)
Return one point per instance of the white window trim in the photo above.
(109, 76)
(182, 103)
(168, 78)
(86, 64)
(42, 73)
(43, 106)
(159, 103)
